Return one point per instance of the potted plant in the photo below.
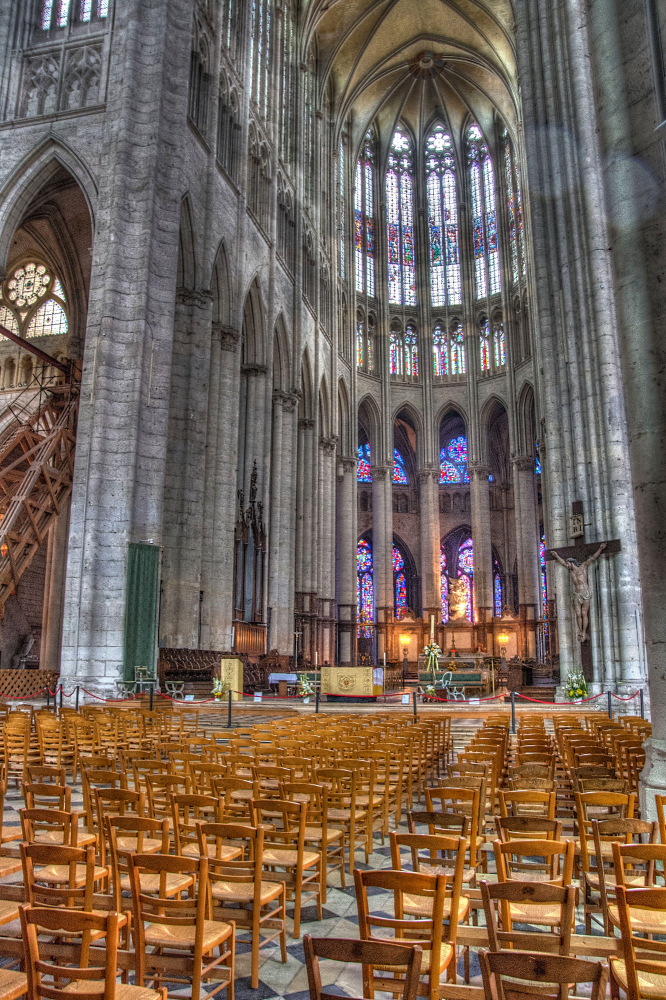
(305, 688)
(220, 688)
(576, 685)
(431, 653)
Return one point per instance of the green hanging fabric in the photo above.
(143, 566)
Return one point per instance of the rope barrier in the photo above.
(464, 701)
(538, 701)
(64, 693)
(114, 700)
(22, 697)
(630, 698)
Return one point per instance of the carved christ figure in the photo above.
(457, 598)
(581, 588)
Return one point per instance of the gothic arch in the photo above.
(281, 358)
(186, 255)
(31, 175)
(369, 422)
(324, 409)
(253, 327)
(344, 429)
(495, 440)
(306, 408)
(451, 407)
(526, 431)
(220, 287)
(408, 439)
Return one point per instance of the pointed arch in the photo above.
(324, 409)
(344, 427)
(253, 327)
(306, 407)
(220, 287)
(495, 440)
(369, 423)
(281, 355)
(526, 426)
(186, 255)
(31, 175)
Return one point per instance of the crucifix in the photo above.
(576, 559)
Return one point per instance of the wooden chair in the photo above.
(535, 975)
(344, 811)
(459, 800)
(40, 924)
(239, 890)
(634, 866)
(160, 788)
(60, 876)
(528, 828)
(443, 823)
(44, 795)
(127, 835)
(445, 856)
(556, 867)
(439, 950)
(173, 940)
(599, 880)
(639, 975)
(187, 811)
(328, 840)
(527, 802)
(285, 857)
(405, 959)
(50, 826)
(235, 796)
(505, 902)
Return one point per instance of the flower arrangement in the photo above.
(305, 687)
(429, 692)
(576, 685)
(431, 653)
(220, 688)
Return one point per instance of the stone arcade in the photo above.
(343, 306)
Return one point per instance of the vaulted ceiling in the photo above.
(414, 60)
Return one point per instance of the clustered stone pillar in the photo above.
(326, 589)
(430, 544)
(483, 553)
(382, 549)
(345, 510)
(281, 534)
(527, 544)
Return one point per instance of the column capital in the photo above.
(327, 445)
(349, 464)
(479, 471)
(193, 297)
(287, 400)
(254, 369)
(306, 424)
(523, 463)
(227, 336)
(425, 474)
(380, 472)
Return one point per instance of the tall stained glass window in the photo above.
(444, 584)
(399, 584)
(411, 352)
(466, 573)
(499, 342)
(458, 363)
(365, 602)
(515, 210)
(484, 215)
(484, 345)
(341, 207)
(361, 356)
(542, 563)
(440, 351)
(364, 462)
(453, 461)
(364, 220)
(56, 13)
(399, 473)
(445, 283)
(404, 353)
(400, 222)
(497, 590)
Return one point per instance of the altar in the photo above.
(349, 681)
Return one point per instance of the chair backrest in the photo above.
(633, 861)
(444, 823)
(43, 923)
(72, 890)
(404, 958)
(652, 955)
(556, 867)
(36, 823)
(44, 795)
(235, 795)
(528, 828)
(188, 811)
(127, 835)
(540, 971)
(446, 856)
(214, 841)
(527, 802)
(497, 900)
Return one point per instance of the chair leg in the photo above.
(298, 889)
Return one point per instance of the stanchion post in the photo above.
(229, 713)
(48, 695)
(642, 704)
(414, 700)
(513, 711)
(60, 698)
(610, 706)
(77, 697)
(317, 701)
(151, 697)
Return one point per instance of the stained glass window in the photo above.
(361, 357)
(404, 353)
(497, 592)
(458, 363)
(395, 353)
(484, 215)
(341, 206)
(400, 583)
(440, 351)
(364, 589)
(499, 343)
(63, 9)
(411, 352)
(466, 572)
(542, 562)
(453, 461)
(364, 223)
(399, 474)
(363, 468)
(400, 222)
(33, 302)
(484, 345)
(444, 584)
(537, 462)
(511, 204)
(445, 283)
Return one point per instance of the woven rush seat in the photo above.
(654, 921)
(215, 932)
(59, 875)
(10, 833)
(151, 883)
(123, 990)
(422, 906)
(446, 954)
(9, 866)
(243, 892)
(12, 984)
(317, 833)
(344, 815)
(149, 845)
(225, 853)
(549, 914)
(650, 984)
(469, 874)
(55, 837)
(277, 856)
(8, 912)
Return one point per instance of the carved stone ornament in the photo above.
(193, 297)
(306, 424)
(349, 464)
(479, 471)
(227, 336)
(524, 463)
(380, 472)
(254, 369)
(287, 400)
(327, 445)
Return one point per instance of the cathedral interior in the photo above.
(331, 328)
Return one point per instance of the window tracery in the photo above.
(363, 468)
(33, 302)
(286, 224)
(484, 215)
(399, 584)
(199, 81)
(445, 281)
(400, 222)
(364, 220)
(453, 461)
(259, 177)
(228, 127)
(365, 337)
(341, 209)
(260, 53)
(399, 473)
(365, 597)
(404, 352)
(60, 13)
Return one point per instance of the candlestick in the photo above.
(432, 628)
(385, 660)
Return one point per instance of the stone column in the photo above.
(54, 592)
(527, 544)
(430, 545)
(483, 553)
(118, 488)
(281, 541)
(218, 568)
(345, 510)
(326, 587)
(382, 547)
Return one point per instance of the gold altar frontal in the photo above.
(231, 674)
(349, 681)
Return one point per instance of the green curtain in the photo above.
(143, 566)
